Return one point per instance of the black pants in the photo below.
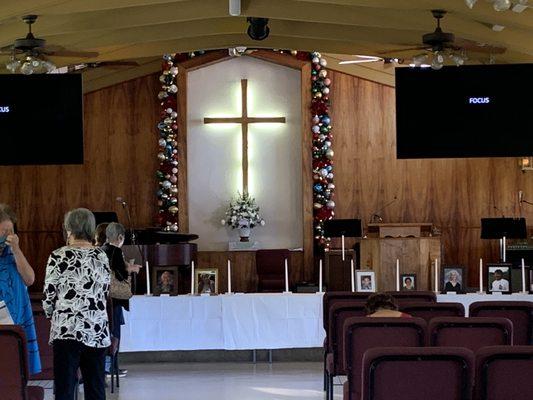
(69, 355)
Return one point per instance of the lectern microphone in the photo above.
(520, 197)
(376, 216)
(121, 201)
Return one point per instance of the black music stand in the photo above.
(502, 229)
(343, 228)
(105, 217)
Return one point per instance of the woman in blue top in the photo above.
(16, 274)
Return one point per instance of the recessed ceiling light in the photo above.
(498, 28)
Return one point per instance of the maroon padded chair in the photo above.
(407, 373)
(328, 300)
(14, 366)
(46, 352)
(504, 372)
(472, 333)
(338, 314)
(364, 333)
(519, 312)
(270, 265)
(427, 311)
(414, 297)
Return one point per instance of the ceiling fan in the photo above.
(363, 59)
(34, 52)
(80, 67)
(440, 44)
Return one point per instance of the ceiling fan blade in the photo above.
(470, 45)
(117, 64)
(403, 49)
(59, 51)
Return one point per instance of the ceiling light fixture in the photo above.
(234, 8)
(258, 29)
(470, 3)
(29, 65)
(502, 5)
(520, 6)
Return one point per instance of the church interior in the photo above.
(282, 179)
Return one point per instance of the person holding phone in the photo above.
(16, 274)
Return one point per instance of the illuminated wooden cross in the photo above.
(244, 120)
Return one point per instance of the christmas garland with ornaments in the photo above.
(323, 187)
(167, 174)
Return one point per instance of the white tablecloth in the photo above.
(467, 299)
(234, 322)
(239, 322)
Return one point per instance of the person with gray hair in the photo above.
(115, 236)
(75, 290)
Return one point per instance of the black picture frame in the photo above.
(490, 270)
(414, 282)
(445, 278)
(516, 278)
(157, 287)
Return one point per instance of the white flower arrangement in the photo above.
(243, 212)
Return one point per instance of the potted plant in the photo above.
(243, 214)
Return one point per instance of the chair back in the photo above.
(472, 333)
(339, 313)
(270, 265)
(13, 363)
(46, 352)
(504, 372)
(519, 312)
(331, 298)
(427, 311)
(407, 373)
(414, 296)
(364, 333)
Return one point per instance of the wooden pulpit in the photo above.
(411, 243)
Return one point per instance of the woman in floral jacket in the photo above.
(76, 288)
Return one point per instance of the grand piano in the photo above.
(165, 249)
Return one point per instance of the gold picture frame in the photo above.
(206, 280)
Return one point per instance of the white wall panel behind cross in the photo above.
(214, 151)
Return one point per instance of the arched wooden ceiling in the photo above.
(144, 29)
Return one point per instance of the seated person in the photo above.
(382, 305)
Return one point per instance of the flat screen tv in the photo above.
(467, 111)
(41, 119)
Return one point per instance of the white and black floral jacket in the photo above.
(76, 287)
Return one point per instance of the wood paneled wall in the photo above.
(120, 146)
(452, 193)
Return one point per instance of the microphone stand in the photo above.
(376, 217)
(133, 239)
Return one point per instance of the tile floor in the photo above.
(221, 381)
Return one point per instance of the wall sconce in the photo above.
(526, 164)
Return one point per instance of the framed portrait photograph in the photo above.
(453, 279)
(206, 280)
(365, 281)
(165, 280)
(498, 278)
(407, 282)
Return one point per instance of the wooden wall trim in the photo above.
(307, 174)
(183, 200)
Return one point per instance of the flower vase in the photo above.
(244, 233)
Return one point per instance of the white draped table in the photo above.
(240, 321)
(224, 322)
(467, 299)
